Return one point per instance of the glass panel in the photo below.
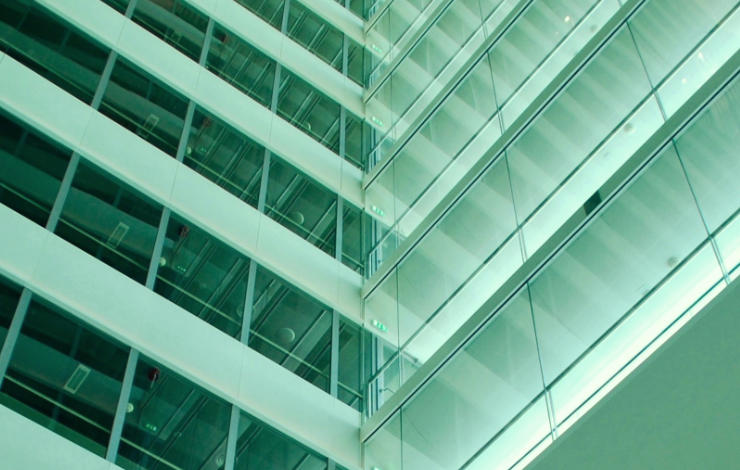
(225, 156)
(501, 362)
(44, 43)
(315, 34)
(110, 221)
(636, 241)
(119, 5)
(30, 170)
(261, 447)
(667, 30)
(525, 46)
(602, 95)
(177, 23)
(452, 252)
(302, 205)
(309, 110)
(708, 149)
(355, 237)
(145, 106)
(269, 10)
(292, 329)
(357, 135)
(9, 295)
(171, 423)
(241, 65)
(383, 450)
(65, 376)
(357, 59)
(351, 367)
(203, 275)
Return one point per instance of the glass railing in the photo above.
(529, 190)
(649, 258)
(428, 66)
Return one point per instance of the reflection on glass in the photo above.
(598, 99)
(291, 329)
(110, 221)
(225, 156)
(302, 205)
(203, 275)
(483, 387)
(260, 447)
(708, 149)
(48, 46)
(171, 423)
(315, 34)
(383, 450)
(309, 110)
(9, 295)
(667, 30)
(269, 10)
(633, 244)
(174, 21)
(357, 135)
(351, 366)
(65, 376)
(241, 65)
(145, 106)
(355, 237)
(30, 170)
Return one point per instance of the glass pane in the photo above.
(145, 106)
(357, 60)
(302, 205)
(261, 447)
(355, 237)
(357, 135)
(315, 34)
(621, 256)
(483, 387)
(30, 170)
(309, 110)
(350, 372)
(667, 30)
(225, 156)
(269, 10)
(110, 221)
(50, 47)
(599, 98)
(708, 148)
(383, 450)
(291, 328)
(446, 258)
(179, 24)
(171, 422)
(9, 295)
(65, 376)
(241, 65)
(203, 275)
(119, 5)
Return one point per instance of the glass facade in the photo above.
(507, 199)
(644, 259)
(606, 111)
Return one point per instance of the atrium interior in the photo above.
(390, 235)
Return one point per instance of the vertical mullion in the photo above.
(233, 434)
(128, 378)
(14, 330)
(122, 407)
